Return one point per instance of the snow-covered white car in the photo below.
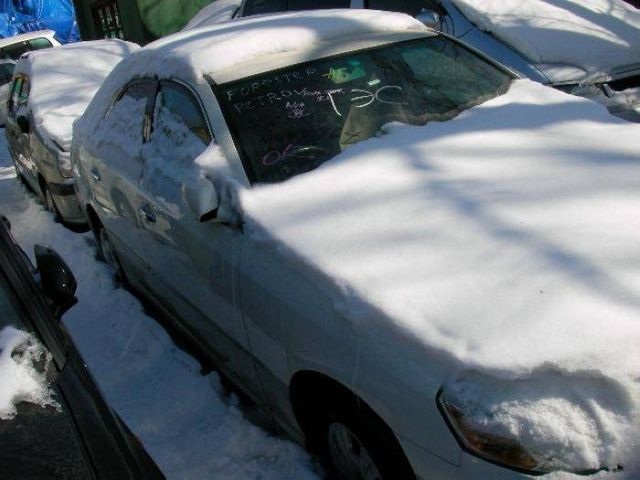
(424, 267)
(49, 90)
(589, 48)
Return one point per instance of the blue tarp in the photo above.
(20, 16)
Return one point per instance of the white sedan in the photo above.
(422, 266)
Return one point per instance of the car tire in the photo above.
(107, 253)
(360, 446)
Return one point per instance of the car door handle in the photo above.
(147, 213)
(95, 174)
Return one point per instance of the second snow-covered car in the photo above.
(422, 266)
(49, 90)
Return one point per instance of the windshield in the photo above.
(291, 120)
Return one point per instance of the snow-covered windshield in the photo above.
(289, 121)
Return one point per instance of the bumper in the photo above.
(430, 467)
(66, 202)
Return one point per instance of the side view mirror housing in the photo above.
(202, 198)
(57, 281)
(23, 124)
(429, 18)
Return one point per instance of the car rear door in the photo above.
(193, 263)
(19, 145)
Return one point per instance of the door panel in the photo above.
(115, 168)
(193, 264)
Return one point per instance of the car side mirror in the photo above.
(23, 124)
(202, 199)
(57, 281)
(429, 18)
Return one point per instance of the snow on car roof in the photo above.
(506, 238)
(232, 46)
(65, 79)
(221, 47)
(591, 37)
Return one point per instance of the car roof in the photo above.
(254, 44)
(26, 36)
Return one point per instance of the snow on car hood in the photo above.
(508, 237)
(569, 40)
(65, 79)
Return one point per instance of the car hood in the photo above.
(569, 40)
(508, 236)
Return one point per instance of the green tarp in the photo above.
(162, 17)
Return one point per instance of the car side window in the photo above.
(15, 51)
(313, 4)
(38, 43)
(256, 7)
(180, 134)
(411, 7)
(19, 95)
(124, 128)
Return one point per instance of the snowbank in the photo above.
(569, 40)
(21, 379)
(508, 238)
(65, 79)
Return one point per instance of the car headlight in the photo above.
(497, 449)
(546, 421)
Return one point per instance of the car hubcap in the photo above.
(349, 455)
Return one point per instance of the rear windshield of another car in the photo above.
(289, 121)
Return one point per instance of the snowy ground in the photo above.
(191, 426)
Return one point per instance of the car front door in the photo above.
(194, 263)
(113, 171)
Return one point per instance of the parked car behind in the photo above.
(587, 48)
(13, 47)
(383, 237)
(49, 90)
(54, 422)
(6, 72)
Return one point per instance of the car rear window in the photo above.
(291, 120)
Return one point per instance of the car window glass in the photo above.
(6, 71)
(313, 4)
(255, 7)
(120, 137)
(14, 51)
(291, 120)
(411, 7)
(14, 97)
(38, 43)
(180, 134)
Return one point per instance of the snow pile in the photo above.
(23, 364)
(217, 12)
(507, 238)
(65, 79)
(570, 40)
